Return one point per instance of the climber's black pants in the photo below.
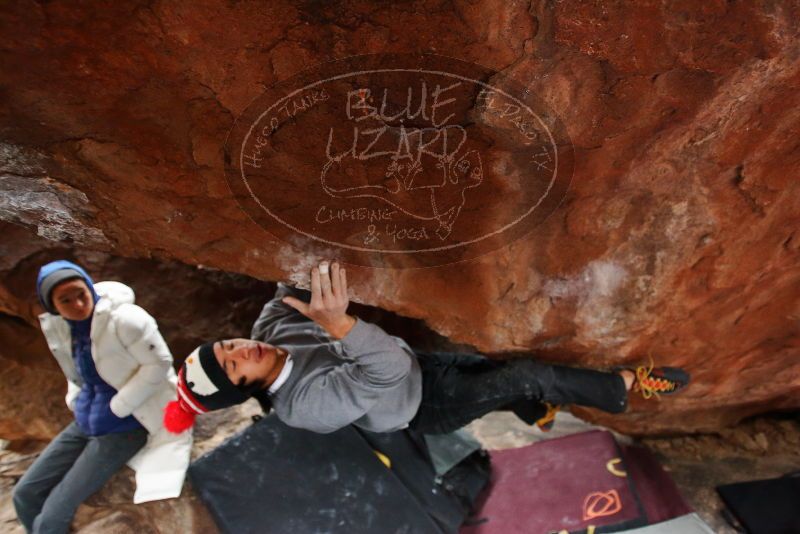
(459, 388)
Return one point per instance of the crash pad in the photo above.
(571, 483)
(657, 492)
(770, 506)
(685, 524)
(272, 478)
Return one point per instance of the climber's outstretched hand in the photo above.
(329, 300)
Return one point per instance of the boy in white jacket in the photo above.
(119, 378)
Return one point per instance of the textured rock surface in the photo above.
(678, 236)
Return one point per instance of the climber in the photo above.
(322, 369)
(119, 378)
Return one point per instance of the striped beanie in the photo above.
(203, 386)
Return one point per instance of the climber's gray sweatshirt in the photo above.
(367, 378)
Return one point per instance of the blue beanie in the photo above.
(55, 272)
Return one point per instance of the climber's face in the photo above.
(246, 361)
(73, 300)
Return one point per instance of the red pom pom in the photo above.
(176, 419)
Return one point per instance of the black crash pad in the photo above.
(274, 478)
(770, 506)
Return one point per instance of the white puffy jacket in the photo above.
(132, 357)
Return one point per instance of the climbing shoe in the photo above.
(548, 420)
(655, 381)
(531, 412)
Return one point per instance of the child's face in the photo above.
(73, 300)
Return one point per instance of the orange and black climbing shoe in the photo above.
(654, 381)
(548, 420)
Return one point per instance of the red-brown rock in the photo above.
(678, 236)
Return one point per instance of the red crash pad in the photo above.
(572, 484)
